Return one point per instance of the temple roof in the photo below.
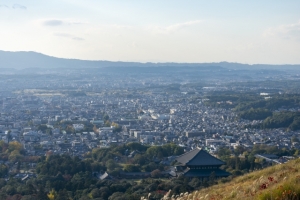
(199, 157)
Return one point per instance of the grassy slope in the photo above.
(276, 182)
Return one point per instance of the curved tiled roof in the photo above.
(199, 157)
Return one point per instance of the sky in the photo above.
(192, 31)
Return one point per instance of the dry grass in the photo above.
(276, 182)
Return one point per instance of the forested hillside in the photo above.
(275, 111)
(67, 177)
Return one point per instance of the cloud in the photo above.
(174, 27)
(67, 35)
(182, 25)
(288, 31)
(52, 22)
(18, 6)
(15, 6)
(77, 38)
(60, 22)
(4, 6)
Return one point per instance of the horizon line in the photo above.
(149, 62)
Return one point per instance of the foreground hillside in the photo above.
(276, 182)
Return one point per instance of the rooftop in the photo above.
(198, 157)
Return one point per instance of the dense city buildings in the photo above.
(73, 112)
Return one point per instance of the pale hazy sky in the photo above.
(245, 31)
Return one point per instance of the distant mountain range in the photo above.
(23, 60)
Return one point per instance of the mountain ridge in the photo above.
(31, 59)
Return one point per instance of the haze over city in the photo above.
(265, 32)
(149, 100)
